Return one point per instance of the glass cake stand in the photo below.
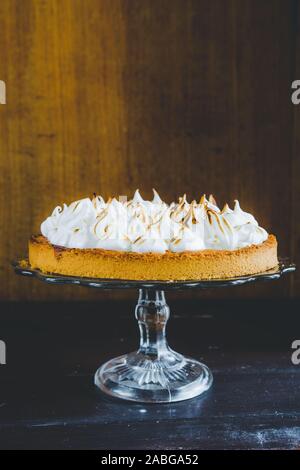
(154, 373)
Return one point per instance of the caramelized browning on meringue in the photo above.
(152, 226)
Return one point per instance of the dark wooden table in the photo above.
(47, 397)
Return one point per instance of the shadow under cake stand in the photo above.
(154, 373)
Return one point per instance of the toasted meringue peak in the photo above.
(203, 200)
(151, 226)
(226, 208)
(212, 199)
(182, 199)
(156, 197)
(236, 206)
(137, 197)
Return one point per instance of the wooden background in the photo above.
(183, 95)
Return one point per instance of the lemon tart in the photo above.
(151, 240)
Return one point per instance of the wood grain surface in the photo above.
(184, 95)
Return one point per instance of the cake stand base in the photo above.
(150, 381)
(154, 373)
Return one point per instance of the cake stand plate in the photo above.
(154, 373)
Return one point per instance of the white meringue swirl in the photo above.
(152, 226)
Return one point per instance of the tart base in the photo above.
(188, 265)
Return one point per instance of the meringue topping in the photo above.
(144, 226)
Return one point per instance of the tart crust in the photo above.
(187, 265)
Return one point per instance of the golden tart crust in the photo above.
(187, 265)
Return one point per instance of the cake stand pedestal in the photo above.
(154, 373)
